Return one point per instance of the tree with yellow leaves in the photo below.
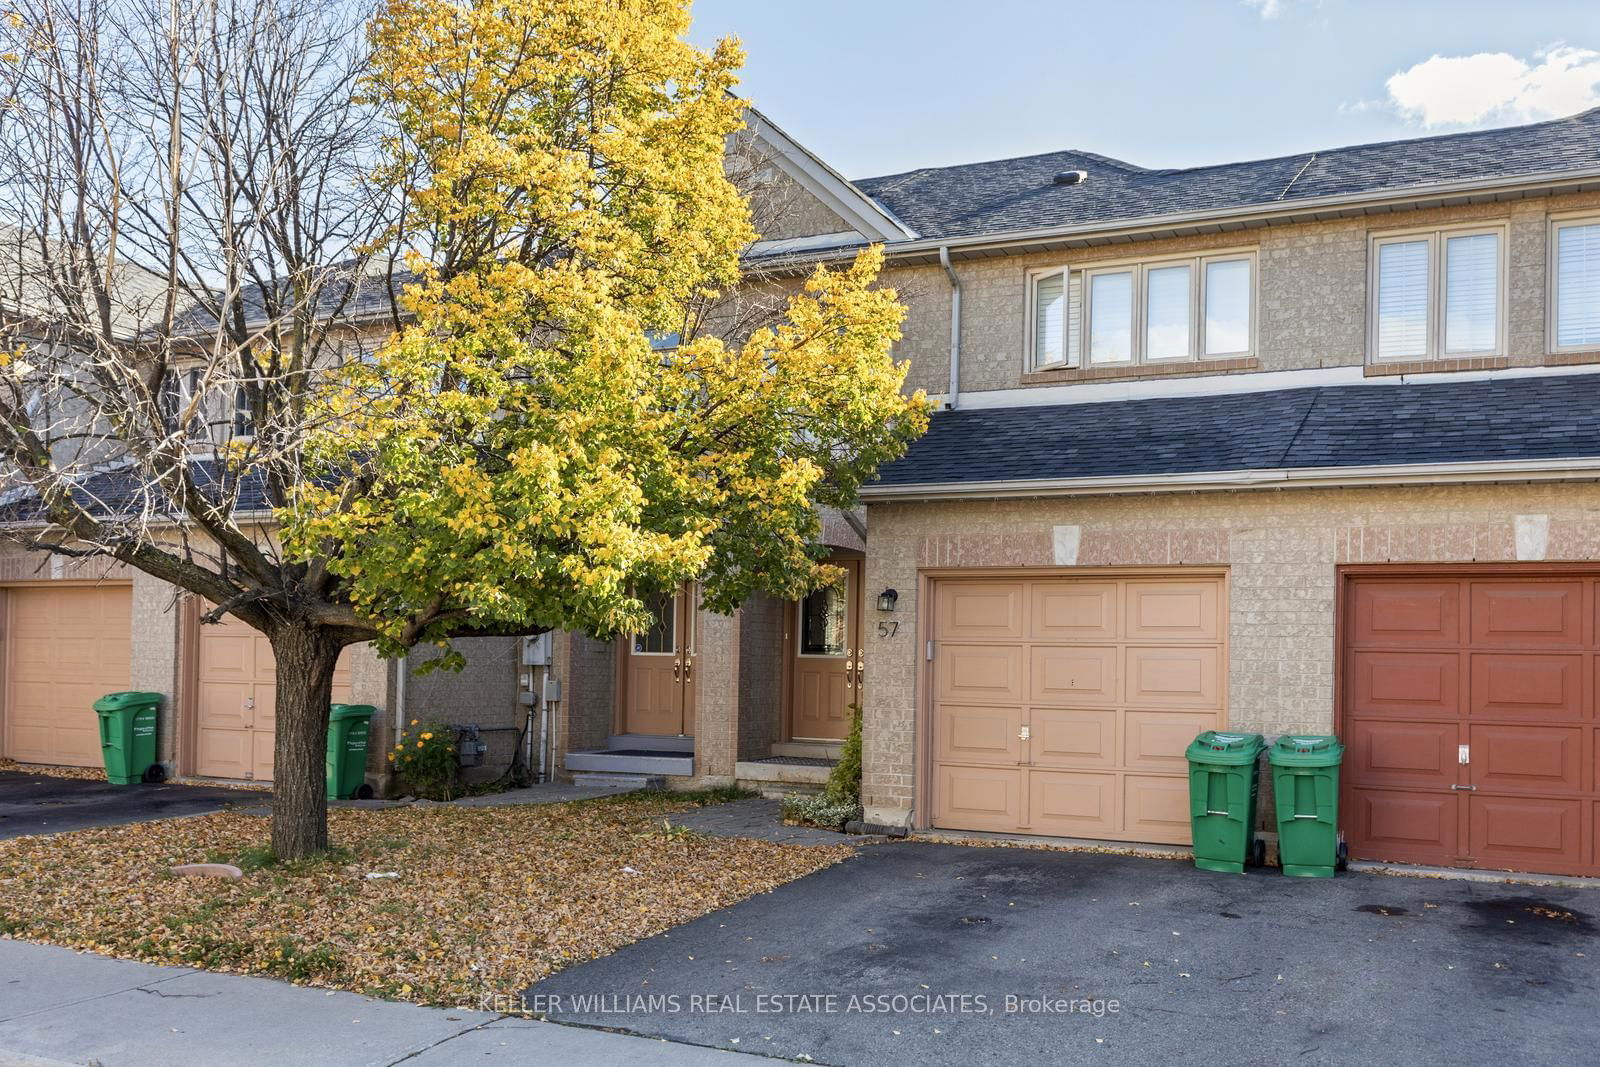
(513, 454)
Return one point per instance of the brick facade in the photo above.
(1280, 550)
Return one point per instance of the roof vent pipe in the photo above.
(1072, 177)
(954, 395)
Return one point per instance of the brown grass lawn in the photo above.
(487, 900)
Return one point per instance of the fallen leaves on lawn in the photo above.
(488, 900)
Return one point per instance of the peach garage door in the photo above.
(236, 687)
(1063, 706)
(1468, 707)
(66, 646)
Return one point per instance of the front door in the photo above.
(658, 672)
(827, 659)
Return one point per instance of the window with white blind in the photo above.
(1161, 311)
(1575, 300)
(1439, 294)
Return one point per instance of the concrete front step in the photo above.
(619, 781)
(809, 749)
(631, 761)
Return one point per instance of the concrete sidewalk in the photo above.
(58, 1006)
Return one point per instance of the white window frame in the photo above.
(1139, 268)
(1436, 237)
(1552, 282)
(1031, 323)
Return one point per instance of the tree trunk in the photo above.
(306, 656)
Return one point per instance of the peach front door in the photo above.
(658, 683)
(236, 691)
(66, 647)
(827, 659)
(1063, 706)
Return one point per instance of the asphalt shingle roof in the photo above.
(1525, 418)
(1007, 195)
(119, 493)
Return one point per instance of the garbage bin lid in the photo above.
(1316, 750)
(130, 699)
(1216, 746)
(351, 711)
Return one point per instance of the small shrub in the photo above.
(844, 781)
(425, 757)
(819, 810)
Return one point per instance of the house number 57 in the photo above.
(888, 627)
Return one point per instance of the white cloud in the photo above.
(1268, 9)
(1495, 86)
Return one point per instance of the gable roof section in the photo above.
(1012, 195)
(1497, 421)
(872, 219)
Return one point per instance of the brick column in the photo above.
(716, 694)
(159, 612)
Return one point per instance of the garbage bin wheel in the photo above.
(363, 793)
(1342, 857)
(1258, 853)
(155, 773)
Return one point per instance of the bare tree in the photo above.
(188, 231)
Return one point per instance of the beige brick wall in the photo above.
(1280, 549)
(1311, 292)
(760, 676)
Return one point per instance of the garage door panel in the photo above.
(1073, 612)
(1072, 804)
(225, 753)
(974, 610)
(1072, 737)
(1173, 677)
(1159, 740)
(1526, 686)
(1402, 753)
(1542, 614)
(65, 647)
(1402, 826)
(1527, 758)
(1405, 612)
(990, 673)
(1405, 684)
(978, 734)
(979, 798)
(1173, 611)
(1525, 833)
(1082, 676)
(1156, 809)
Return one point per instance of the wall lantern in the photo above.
(886, 600)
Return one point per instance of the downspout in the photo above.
(953, 397)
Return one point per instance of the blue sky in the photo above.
(880, 86)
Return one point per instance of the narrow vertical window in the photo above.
(1227, 307)
(1049, 320)
(1403, 299)
(1167, 331)
(1111, 317)
(1472, 293)
(1577, 293)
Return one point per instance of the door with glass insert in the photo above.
(658, 682)
(827, 658)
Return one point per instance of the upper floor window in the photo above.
(1438, 294)
(1575, 312)
(1149, 313)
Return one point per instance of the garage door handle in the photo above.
(1465, 788)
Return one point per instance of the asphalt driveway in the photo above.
(1256, 968)
(39, 804)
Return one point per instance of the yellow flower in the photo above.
(419, 744)
(427, 737)
(413, 722)
(401, 744)
(391, 757)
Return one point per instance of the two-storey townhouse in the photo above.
(1305, 444)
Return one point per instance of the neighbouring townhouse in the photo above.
(1307, 444)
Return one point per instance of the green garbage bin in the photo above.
(128, 737)
(348, 727)
(1222, 800)
(1305, 788)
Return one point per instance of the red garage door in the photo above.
(1468, 705)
